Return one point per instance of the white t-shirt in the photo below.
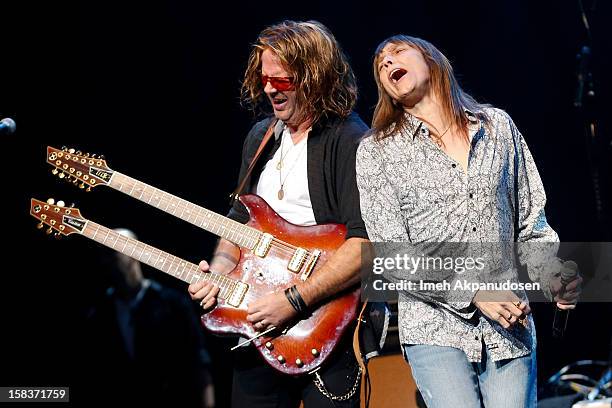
(295, 205)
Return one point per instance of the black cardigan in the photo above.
(332, 146)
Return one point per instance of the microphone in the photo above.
(7, 126)
(569, 272)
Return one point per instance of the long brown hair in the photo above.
(324, 81)
(389, 116)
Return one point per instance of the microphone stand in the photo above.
(584, 103)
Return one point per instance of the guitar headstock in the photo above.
(81, 169)
(59, 218)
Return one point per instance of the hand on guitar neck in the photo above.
(224, 261)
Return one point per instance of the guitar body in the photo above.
(309, 341)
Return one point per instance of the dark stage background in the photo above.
(154, 87)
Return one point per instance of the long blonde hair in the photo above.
(324, 81)
(389, 115)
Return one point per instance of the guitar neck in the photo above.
(210, 221)
(156, 258)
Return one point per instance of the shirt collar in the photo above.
(414, 126)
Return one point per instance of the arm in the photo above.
(340, 272)
(538, 243)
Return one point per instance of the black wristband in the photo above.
(296, 300)
(292, 300)
(299, 298)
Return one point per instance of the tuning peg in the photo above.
(60, 203)
(75, 181)
(101, 157)
(87, 155)
(64, 148)
(71, 151)
(54, 172)
(40, 225)
(50, 201)
(71, 205)
(68, 178)
(49, 231)
(93, 156)
(57, 235)
(78, 152)
(61, 175)
(88, 189)
(82, 185)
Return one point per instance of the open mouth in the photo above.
(397, 74)
(278, 101)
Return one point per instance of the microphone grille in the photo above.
(569, 270)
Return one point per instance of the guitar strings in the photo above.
(183, 205)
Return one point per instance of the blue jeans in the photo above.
(446, 378)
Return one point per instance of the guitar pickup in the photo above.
(297, 260)
(263, 245)
(312, 261)
(238, 293)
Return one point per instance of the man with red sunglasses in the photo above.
(306, 173)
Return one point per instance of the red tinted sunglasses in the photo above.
(278, 83)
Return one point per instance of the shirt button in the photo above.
(454, 165)
(474, 229)
(476, 338)
(471, 195)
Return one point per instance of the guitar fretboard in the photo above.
(210, 221)
(156, 258)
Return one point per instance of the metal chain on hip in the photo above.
(323, 390)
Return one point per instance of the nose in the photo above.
(387, 60)
(268, 88)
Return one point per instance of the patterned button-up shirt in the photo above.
(412, 191)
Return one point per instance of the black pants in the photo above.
(256, 384)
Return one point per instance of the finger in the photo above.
(212, 295)
(203, 266)
(569, 297)
(253, 308)
(512, 309)
(566, 306)
(201, 294)
(524, 306)
(255, 317)
(194, 287)
(573, 285)
(527, 309)
(502, 320)
(209, 304)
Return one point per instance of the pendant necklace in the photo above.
(279, 166)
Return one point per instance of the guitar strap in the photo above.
(356, 345)
(263, 144)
